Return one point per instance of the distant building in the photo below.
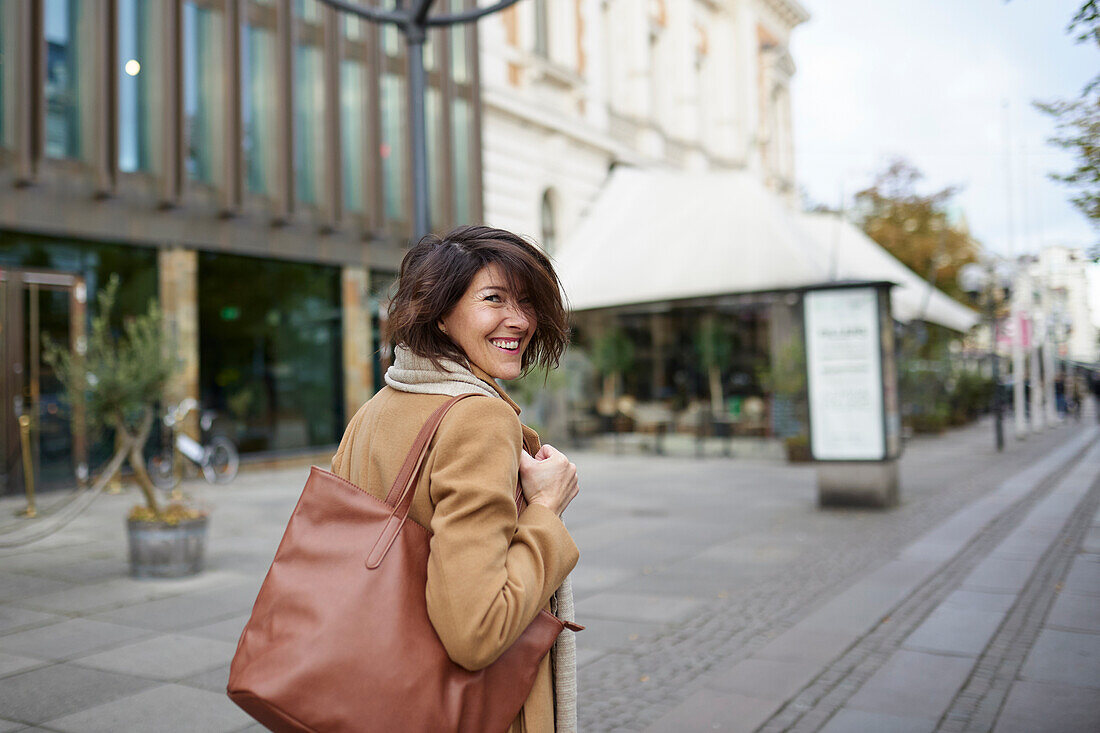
(246, 162)
(1054, 290)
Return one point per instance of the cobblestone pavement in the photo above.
(686, 565)
(742, 552)
(976, 706)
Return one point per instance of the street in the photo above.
(716, 594)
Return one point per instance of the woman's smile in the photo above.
(510, 346)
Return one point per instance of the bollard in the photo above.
(28, 466)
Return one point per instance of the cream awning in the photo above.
(655, 236)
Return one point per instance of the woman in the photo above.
(481, 304)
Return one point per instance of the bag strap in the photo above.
(419, 449)
(401, 493)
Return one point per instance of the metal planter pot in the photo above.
(159, 550)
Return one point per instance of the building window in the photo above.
(460, 62)
(461, 149)
(433, 108)
(270, 354)
(203, 90)
(548, 226)
(542, 30)
(258, 98)
(309, 104)
(7, 73)
(354, 113)
(65, 30)
(139, 93)
(393, 146)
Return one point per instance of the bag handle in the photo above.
(401, 493)
(419, 450)
(406, 480)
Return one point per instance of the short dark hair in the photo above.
(437, 271)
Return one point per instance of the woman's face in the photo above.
(491, 324)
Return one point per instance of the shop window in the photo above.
(270, 354)
(95, 262)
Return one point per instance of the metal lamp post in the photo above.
(413, 21)
(983, 281)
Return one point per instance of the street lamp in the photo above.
(413, 21)
(985, 282)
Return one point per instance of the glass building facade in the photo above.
(242, 161)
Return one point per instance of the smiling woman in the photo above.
(477, 305)
(477, 269)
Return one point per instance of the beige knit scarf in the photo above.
(412, 373)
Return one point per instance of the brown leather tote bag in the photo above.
(339, 638)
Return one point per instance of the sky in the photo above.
(949, 86)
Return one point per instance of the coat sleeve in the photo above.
(489, 570)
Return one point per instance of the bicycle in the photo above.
(217, 459)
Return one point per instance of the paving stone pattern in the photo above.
(783, 557)
(935, 619)
(978, 704)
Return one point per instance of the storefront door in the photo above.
(36, 305)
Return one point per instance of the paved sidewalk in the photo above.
(689, 569)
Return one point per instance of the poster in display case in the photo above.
(851, 373)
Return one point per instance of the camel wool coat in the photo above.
(490, 570)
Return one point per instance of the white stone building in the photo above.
(572, 87)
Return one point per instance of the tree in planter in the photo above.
(713, 346)
(612, 354)
(116, 383)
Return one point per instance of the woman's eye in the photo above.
(493, 298)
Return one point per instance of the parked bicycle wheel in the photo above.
(164, 471)
(222, 461)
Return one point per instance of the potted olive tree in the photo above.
(116, 383)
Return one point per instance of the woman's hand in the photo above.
(548, 478)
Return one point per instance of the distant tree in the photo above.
(1078, 126)
(915, 227)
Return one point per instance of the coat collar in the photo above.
(531, 441)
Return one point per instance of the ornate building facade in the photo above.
(574, 87)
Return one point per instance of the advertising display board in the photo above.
(845, 374)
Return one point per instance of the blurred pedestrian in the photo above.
(1074, 397)
(1094, 386)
